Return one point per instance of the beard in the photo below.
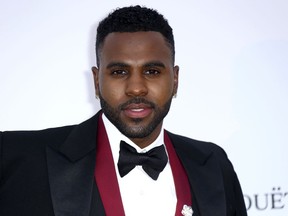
(138, 130)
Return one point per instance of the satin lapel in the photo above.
(71, 170)
(205, 176)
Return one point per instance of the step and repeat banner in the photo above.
(233, 90)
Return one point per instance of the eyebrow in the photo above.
(154, 64)
(117, 64)
(148, 64)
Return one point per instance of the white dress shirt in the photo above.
(141, 195)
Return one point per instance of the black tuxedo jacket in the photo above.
(51, 173)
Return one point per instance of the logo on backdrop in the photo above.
(274, 200)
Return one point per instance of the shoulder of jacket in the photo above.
(196, 143)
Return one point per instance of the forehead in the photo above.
(133, 45)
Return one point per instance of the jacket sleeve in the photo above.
(240, 204)
(234, 196)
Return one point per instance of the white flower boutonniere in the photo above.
(187, 210)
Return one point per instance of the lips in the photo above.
(137, 110)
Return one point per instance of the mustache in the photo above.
(137, 100)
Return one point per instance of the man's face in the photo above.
(135, 81)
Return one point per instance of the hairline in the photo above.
(167, 42)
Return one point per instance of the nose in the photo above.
(136, 85)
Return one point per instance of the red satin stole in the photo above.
(106, 179)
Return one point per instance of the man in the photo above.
(121, 161)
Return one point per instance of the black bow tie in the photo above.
(153, 162)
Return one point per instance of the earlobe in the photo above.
(95, 72)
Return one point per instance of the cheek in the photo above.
(111, 92)
(162, 92)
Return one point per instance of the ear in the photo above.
(176, 79)
(95, 72)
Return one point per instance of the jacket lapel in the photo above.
(205, 176)
(71, 174)
(71, 171)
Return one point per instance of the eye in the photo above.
(119, 72)
(152, 72)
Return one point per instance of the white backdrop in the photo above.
(233, 58)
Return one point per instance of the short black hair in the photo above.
(134, 19)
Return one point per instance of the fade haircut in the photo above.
(134, 19)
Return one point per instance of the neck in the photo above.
(146, 141)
